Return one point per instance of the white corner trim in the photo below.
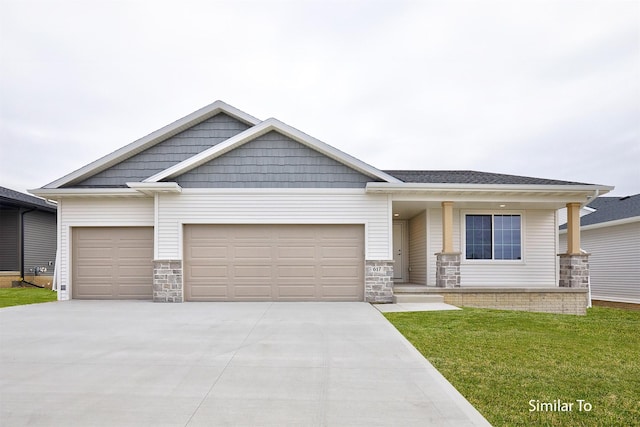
(261, 129)
(153, 139)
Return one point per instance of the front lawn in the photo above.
(522, 369)
(21, 296)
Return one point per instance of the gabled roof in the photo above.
(471, 177)
(15, 198)
(153, 139)
(261, 129)
(608, 209)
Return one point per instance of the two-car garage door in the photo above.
(274, 262)
(225, 262)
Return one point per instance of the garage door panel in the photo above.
(297, 292)
(296, 271)
(135, 253)
(260, 272)
(210, 252)
(341, 252)
(112, 262)
(245, 251)
(207, 271)
(95, 291)
(275, 262)
(96, 253)
(338, 292)
(209, 291)
(345, 272)
(252, 290)
(296, 252)
(134, 272)
(95, 271)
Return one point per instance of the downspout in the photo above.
(22, 249)
(596, 193)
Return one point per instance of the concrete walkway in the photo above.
(128, 363)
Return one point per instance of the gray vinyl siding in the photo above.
(168, 153)
(614, 262)
(9, 243)
(273, 161)
(39, 241)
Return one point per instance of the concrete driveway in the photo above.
(130, 363)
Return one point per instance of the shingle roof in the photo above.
(470, 177)
(611, 209)
(16, 198)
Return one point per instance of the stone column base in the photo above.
(574, 270)
(448, 270)
(167, 281)
(378, 281)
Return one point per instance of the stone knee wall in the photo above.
(574, 271)
(167, 281)
(569, 301)
(448, 270)
(378, 281)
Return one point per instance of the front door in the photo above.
(398, 251)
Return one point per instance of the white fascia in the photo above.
(411, 187)
(151, 188)
(57, 193)
(606, 224)
(259, 130)
(153, 139)
(571, 192)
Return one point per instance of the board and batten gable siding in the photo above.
(537, 269)
(9, 239)
(168, 153)
(273, 207)
(273, 160)
(96, 212)
(39, 241)
(614, 263)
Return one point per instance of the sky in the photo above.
(537, 88)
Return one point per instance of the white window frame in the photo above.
(463, 237)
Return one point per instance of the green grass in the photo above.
(21, 296)
(500, 360)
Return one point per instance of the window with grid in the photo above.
(495, 237)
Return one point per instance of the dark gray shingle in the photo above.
(16, 198)
(611, 209)
(470, 177)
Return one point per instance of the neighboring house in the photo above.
(221, 206)
(27, 238)
(611, 234)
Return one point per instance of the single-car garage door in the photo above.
(112, 263)
(274, 262)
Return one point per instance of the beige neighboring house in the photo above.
(222, 206)
(610, 230)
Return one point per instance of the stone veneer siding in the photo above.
(448, 270)
(549, 300)
(574, 270)
(167, 281)
(378, 281)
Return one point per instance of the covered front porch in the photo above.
(490, 251)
